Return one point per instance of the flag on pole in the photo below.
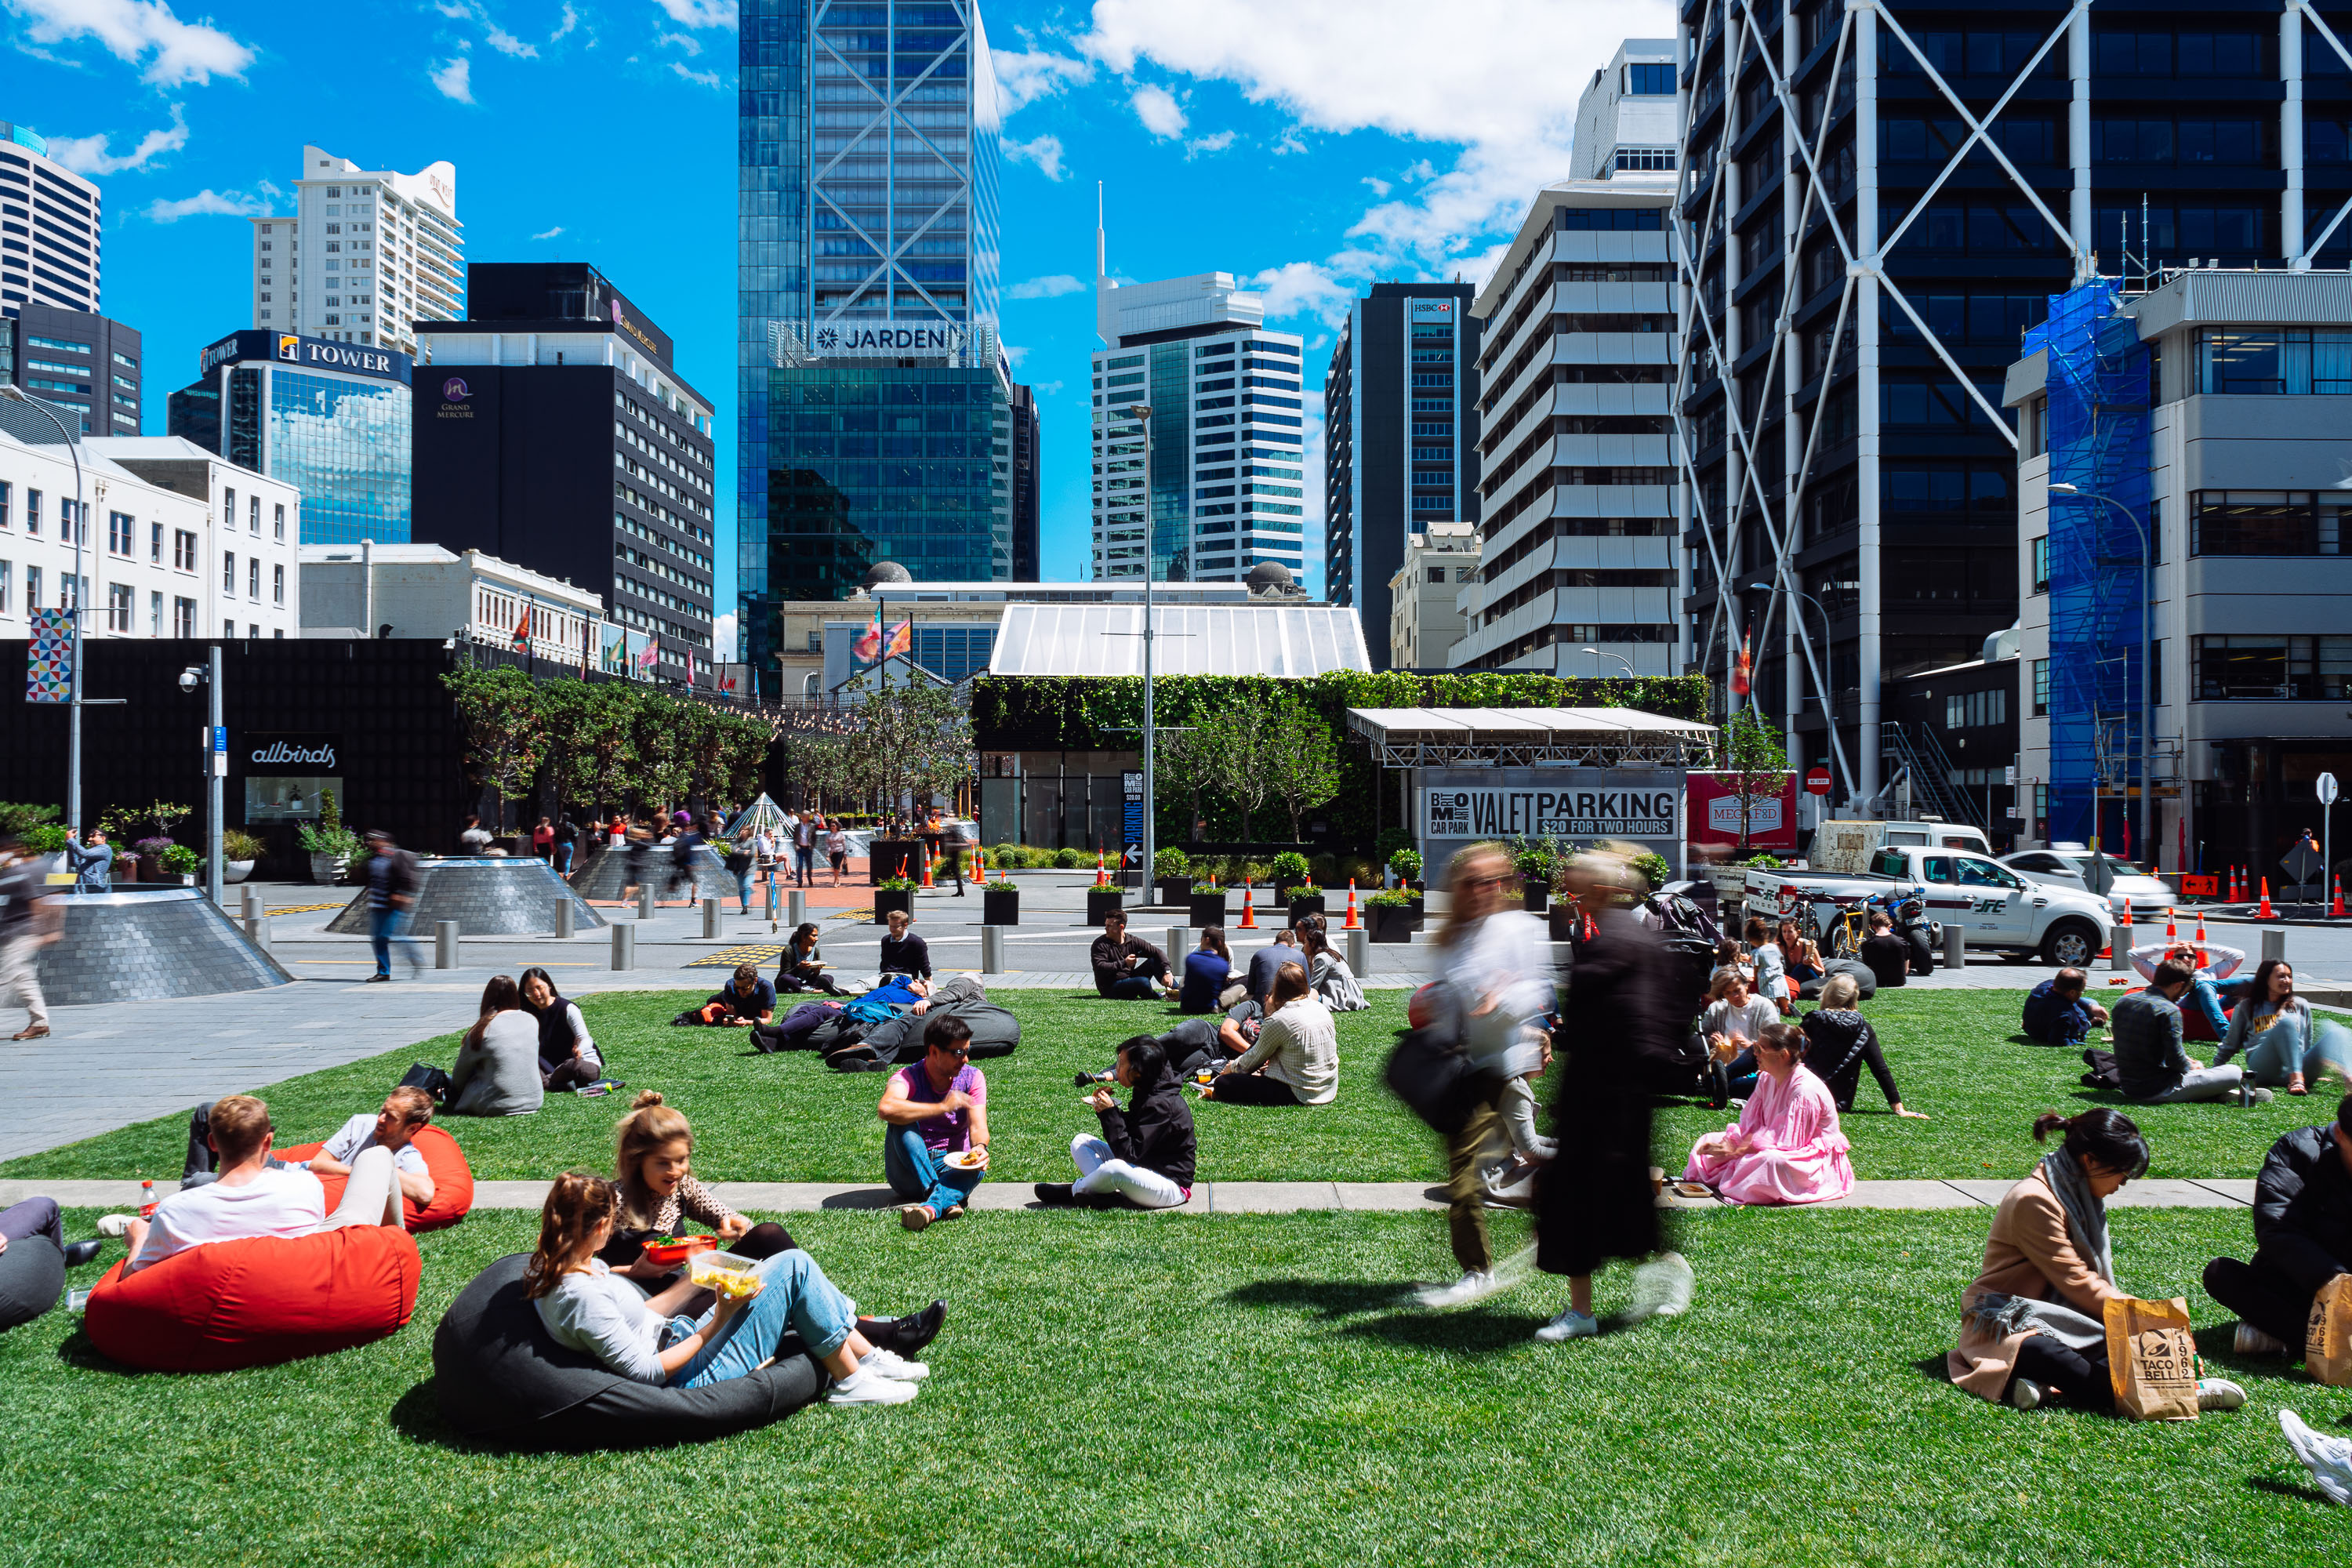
(1743, 672)
(652, 654)
(522, 628)
(903, 637)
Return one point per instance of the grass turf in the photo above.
(788, 1118)
(1117, 1388)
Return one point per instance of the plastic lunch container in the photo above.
(723, 1273)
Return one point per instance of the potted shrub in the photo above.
(1172, 877)
(148, 853)
(1000, 904)
(331, 845)
(1101, 901)
(1291, 870)
(1653, 869)
(1389, 915)
(1533, 863)
(240, 851)
(181, 861)
(892, 893)
(1208, 902)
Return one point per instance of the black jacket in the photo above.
(1888, 956)
(909, 954)
(1838, 1046)
(2303, 1207)
(1155, 1131)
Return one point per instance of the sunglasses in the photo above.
(960, 1052)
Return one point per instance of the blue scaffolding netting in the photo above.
(2097, 383)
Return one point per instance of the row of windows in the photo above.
(1969, 708)
(2290, 361)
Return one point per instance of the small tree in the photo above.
(1234, 738)
(505, 724)
(1749, 761)
(1300, 760)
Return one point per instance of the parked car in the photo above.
(1848, 844)
(1994, 907)
(2069, 865)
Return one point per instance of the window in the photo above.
(2265, 522)
(32, 589)
(184, 550)
(119, 600)
(32, 512)
(184, 617)
(2275, 360)
(1650, 79)
(2041, 689)
(228, 511)
(1635, 219)
(154, 614)
(228, 574)
(5, 490)
(8, 586)
(279, 526)
(1972, 710)
(1645, 158)
(2041, 564)
(121, 532)
(253, 514)
(155, 543)
(253, 577)
(278, 585)
(2269, 667)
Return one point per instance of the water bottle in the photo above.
(2246, 1092)
(147, 1200)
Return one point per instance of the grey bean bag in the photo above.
(502, 1379)
(32, 1278)
(1810, 990)
(995, 1032)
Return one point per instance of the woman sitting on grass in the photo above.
(497, 1071)
(652, 1160)
(590, 1309)
(1786, 1147)
(1802, 958)
(2273, 1027)
(1840, 1042)
(1297, 1059)
(1734, 1019)
(801, 967)
(568, 1058)
(1208, 970)
(1144, 1157)
(2032, 1330)
(1333, 982)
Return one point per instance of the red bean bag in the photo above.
(1422, 1011)
(453, 1180)
(257, 1302)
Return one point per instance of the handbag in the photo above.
(1430, 1072)
(433, 1080)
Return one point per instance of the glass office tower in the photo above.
(871, 385)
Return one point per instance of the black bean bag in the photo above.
(32, 1278)
(502, 1379)
(1811, 991)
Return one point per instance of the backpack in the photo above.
(1675, 915)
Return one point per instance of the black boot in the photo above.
(1056, 1194)
(81, 1252)
(906, 1336)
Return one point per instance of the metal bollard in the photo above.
(2119, 944)
(645, 903)
(444, 944)
(252, 909)
(1359, 951)
(710, 918)
(563, 917)
(1177, 947)
(256, 930)
(2274, 945)
(625, 948)
(992, 949)
(1956, 946)
(797, 908)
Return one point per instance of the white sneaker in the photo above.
(113, 1223)
(1661, 1286)
(865, 1386)
(2252, 1340)
(1570, 1324)
(1474, 1286)
(2219, 1394)
(894, 1366)
(2329, 1459)
(2026, 1394)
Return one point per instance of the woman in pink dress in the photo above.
(1787, 1147)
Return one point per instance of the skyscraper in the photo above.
(51, 258)
(1226, 420)
(1400, 443)
(367, 254)
(76, 360)
(1025, 486)
(872, 391)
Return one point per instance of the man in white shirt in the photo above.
(406, 1112)
(253, 1198)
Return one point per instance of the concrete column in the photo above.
(1178, 943)
(2291, 135)
(1865, 328)
(1792, 373)
(444, 944)
(2119, 944)
(1359, 951)
(1956, 946)
(2274, 945)
(645, 903)
(250, 899)
(2078, 148)
(797, 908)
(625, 948)
(256, 930)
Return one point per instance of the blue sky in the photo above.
(1312, 148)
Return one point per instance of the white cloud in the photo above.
(549, 232)
(1024, 77)
(1217, 143)
(1379, 187)
(1045, 152)
(1157, 108)
(88, 154)
(571, 22)
(724, 640)
(1304, 289)
(1014, 355)
(686, 41)
(208, 202)
(454, 79)
(700, 13)
(506, 43)
(1291, 142)
(1050, 288)
(133, 31)
(1047, 388)
(705, 78)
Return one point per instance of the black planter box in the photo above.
(889, 857)
(1565, 920)
(1208, 910)
(1101, 901)
(1000, 906)
(1304, 904)
(889, 898)
(1536, 900)
(1391, 922)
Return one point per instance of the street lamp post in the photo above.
(1829, 720)
(1141, 413)
(74, 701)
(2146, 707)
(1601, 653)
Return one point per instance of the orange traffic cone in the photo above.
(2267, 912)
(2200, 938)
(2126, 922)
(927, 869)
(2336, 911)
(1353, 924)
(1249, 904)
(2171, 929)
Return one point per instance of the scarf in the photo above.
(2086, 1227)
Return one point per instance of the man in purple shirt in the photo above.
(934, 1108)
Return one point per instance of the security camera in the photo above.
(190, 678)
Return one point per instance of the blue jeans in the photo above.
(798, 1300)
(563, 859)
(805, 859)
(2281, 1051)
(2208, 996)
(915, 1175)
(743, 891)
(384, 926)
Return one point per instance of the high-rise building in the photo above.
(1226, 491)
(1867, 320)
(1625, 119)
(1025, 510)
(367, 254)
(76, 360)
(1578, 576)
(1401, 440)
(50, 216)
(554, 432)
(329, 418)
(1424, 594)
(870, 388)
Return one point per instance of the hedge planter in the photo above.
(326, 870)
(1102, 901)
(889, 898)
(1391, 922)
(1000, 906)
(1304, 904)
(1171, 892)
(236, 871)
(1208, 910)
(1536, 900)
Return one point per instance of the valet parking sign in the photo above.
(1572, 813)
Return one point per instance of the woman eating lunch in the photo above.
(656, 1191)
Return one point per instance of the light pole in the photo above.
(1829, 720)
(1599, 653)
(2147, 708)
(73, 719)
(208, 676)
(1141, 413)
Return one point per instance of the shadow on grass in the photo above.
(1482, 1332)
(2290, 1489)
(863, 1198)
(1326, 1299)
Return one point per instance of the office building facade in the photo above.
(366, 255)
(76, 360)
(1865, 323)
(1226, 489)
(1026, 506)
(51, 223)
(870, 388)
(1626, 121)
(554, 432)
(1424, 595)
(1578, 573)
(1400, 442)
(331, 419)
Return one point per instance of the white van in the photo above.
(1848, 846)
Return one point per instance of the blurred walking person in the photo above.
(30, 918)
(391, 883)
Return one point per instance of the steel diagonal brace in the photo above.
(2303, 262)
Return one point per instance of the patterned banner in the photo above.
(48, 658)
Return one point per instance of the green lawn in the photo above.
(1143, 1390)
(787, 1118)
